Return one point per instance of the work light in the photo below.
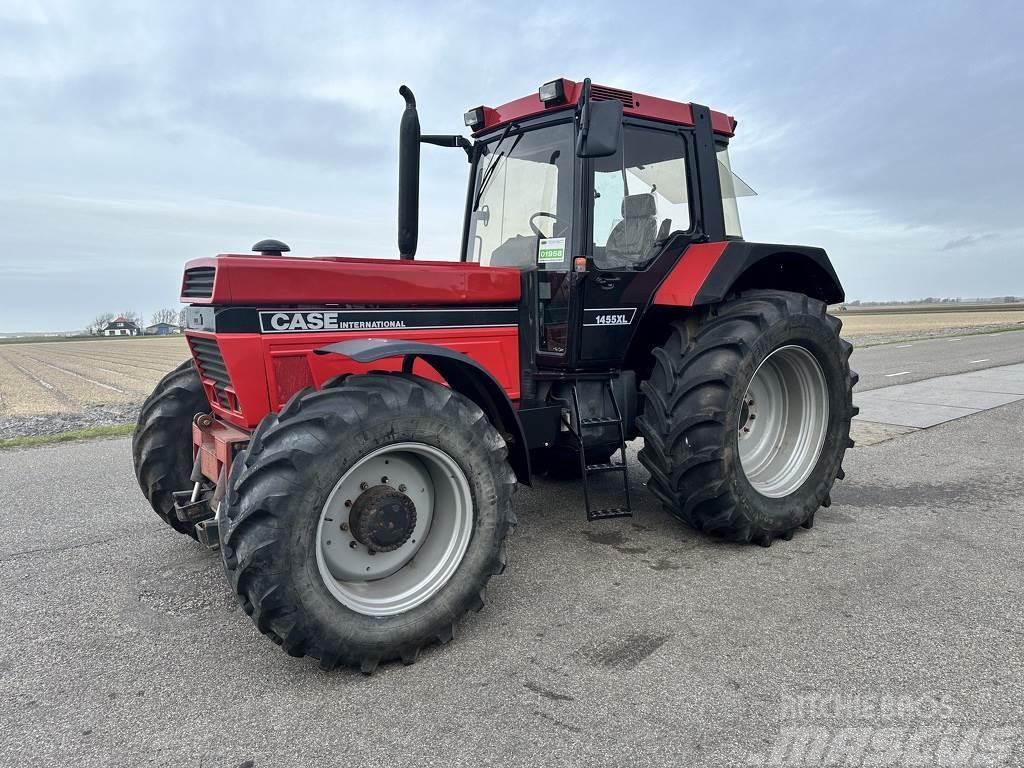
(552, 93)
(475, 118)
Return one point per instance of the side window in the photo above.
(732, 187)
(641, 194)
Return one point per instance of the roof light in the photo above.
(552, 93)
(475, 118)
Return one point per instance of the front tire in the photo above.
(392, 456)
(769, 355)
(162, 441)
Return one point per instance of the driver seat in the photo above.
(632, 237)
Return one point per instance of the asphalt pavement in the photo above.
(903, 362)
(896, 621)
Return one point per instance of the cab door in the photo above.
(558, 299)
(639, 222)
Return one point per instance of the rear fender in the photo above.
(707, 273)
(462, 373)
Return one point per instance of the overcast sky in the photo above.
(134, 139)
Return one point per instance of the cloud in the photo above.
(968, 240)
(137, 136)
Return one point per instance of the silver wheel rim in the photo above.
(782, 421)
(387, 583)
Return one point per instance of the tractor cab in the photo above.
(584, 188)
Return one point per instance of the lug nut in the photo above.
(352, 545)
(384, 479)
(344, 526)
(401, 488)
(348, 502)
(363, 486)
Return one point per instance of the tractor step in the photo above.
(599, 421)
(609, 467)
(587, 470)
(607, 514)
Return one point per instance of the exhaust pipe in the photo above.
(408, 177)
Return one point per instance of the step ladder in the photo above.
(587, 470)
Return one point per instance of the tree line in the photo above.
(167, 315)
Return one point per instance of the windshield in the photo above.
(522, 195)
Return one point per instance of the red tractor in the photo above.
(350, 432)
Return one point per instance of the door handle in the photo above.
(606, 283)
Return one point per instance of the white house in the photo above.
(121, 326)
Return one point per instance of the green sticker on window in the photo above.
(551, 251)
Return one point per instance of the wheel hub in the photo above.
(394, 529)
(382, 518)
(747, 415)
(782, 421)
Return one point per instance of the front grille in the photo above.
(198, 283)
(211, 366)
(602, 93)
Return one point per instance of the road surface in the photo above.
(904, 362)
(897, 620)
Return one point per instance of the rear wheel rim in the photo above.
(783, 421)
(386, 583)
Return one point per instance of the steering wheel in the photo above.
(545, 214)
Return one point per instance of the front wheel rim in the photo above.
(783, 421)
(385, 583)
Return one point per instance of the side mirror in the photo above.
(600, 129)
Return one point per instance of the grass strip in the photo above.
(89, 433)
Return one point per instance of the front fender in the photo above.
(462, 373)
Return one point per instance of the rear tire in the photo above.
(284, 520)
(162, 442)
(696, 408)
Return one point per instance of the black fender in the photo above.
(463, 374)
(744, 266)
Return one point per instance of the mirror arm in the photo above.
(449, 140)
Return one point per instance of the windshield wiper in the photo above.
(495, 162)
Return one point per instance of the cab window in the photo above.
(641, 195)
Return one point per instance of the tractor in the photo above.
(350, 432)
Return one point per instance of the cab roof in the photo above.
(633, 104)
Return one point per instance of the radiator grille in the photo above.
(198, 283)
(211, 366)
(602, 93)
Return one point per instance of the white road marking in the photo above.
(903, 346)
(901, 373)
(953, 339)
(983, 360)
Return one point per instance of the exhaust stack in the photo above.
(408, 177)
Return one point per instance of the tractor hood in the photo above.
(283, 280)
